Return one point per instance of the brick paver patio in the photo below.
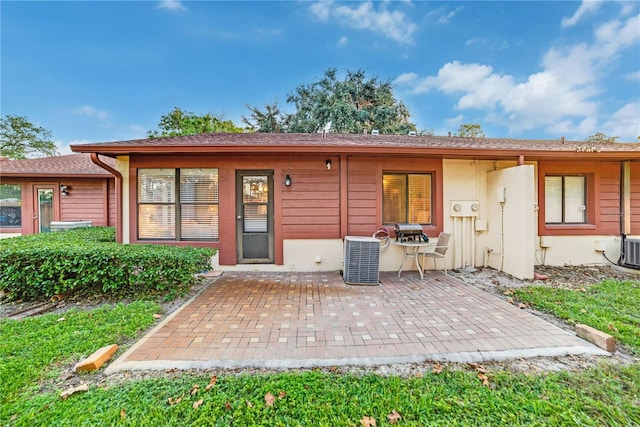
(314, 319)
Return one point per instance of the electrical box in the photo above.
(501, 195)
(599, 245)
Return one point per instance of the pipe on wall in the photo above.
(96, 159)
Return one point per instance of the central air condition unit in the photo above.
(631, 249)
(361, 260)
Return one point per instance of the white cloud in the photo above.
(343, 41)
(561, 97)
(172, 5)
(587, 6)
(446, 18)
(63, 147)
(625, 123)
(633, 75)
(89, 111)
(392, 24)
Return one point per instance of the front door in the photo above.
(254, 216)
(43, 208)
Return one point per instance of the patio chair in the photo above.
(438, 251)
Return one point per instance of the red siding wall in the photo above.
(603, 197)
(635, 198)
(311, 205)
(89, 200)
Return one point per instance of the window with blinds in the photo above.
(406, 198)
(178, 204)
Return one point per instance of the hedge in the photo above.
(89, 258)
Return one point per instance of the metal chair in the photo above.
(438, 251)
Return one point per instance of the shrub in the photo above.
(88, 258)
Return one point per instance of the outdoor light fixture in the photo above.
(287, 181)
(64, 190)
(328, 162)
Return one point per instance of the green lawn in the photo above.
(33, 351)
(610, 306)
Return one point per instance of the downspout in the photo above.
(95, 159)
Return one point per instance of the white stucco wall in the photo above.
(577, 250)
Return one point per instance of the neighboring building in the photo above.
(286, 201)
(36, 192)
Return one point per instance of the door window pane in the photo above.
(45, 209)
(255, 219)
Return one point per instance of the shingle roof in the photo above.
(79, 165)
(358, 143)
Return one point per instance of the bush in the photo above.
(88, 258)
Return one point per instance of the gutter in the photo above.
(96, 159)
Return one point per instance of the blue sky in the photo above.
(95, 71)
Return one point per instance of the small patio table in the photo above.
(412, 249)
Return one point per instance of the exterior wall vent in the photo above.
(361, 260)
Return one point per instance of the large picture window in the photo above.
(565, 199)
(178, 204)
(407, 198)
(10, 206)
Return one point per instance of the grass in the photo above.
(608, 395)
(610, 306)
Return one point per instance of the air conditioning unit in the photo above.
(361, 260)
(631, 252)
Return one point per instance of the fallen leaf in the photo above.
(282, 394)
(194, 389)
(582, 290)
(394, 417)
(227, 406)
(197, 403)
(173, 401)
(62, 319)
(508, 292)
(437, 368)
(249, 404)
(157, 316)
(73, 390)
(368, 422)
(269, 399)
(477, 367)
(123, 414)
(213, 381)
(584, 310)
(611, 327)
(484, 378)
(522, 306)
(419, 375)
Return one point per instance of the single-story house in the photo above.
(287, 201)
(34, 193)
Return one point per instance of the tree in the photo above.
(179, 122)
(600, 137)
(353, 105)
(21, 139)
(470, 130)
(269, 120)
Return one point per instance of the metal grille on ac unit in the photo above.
(361, 260)
(631, 252)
